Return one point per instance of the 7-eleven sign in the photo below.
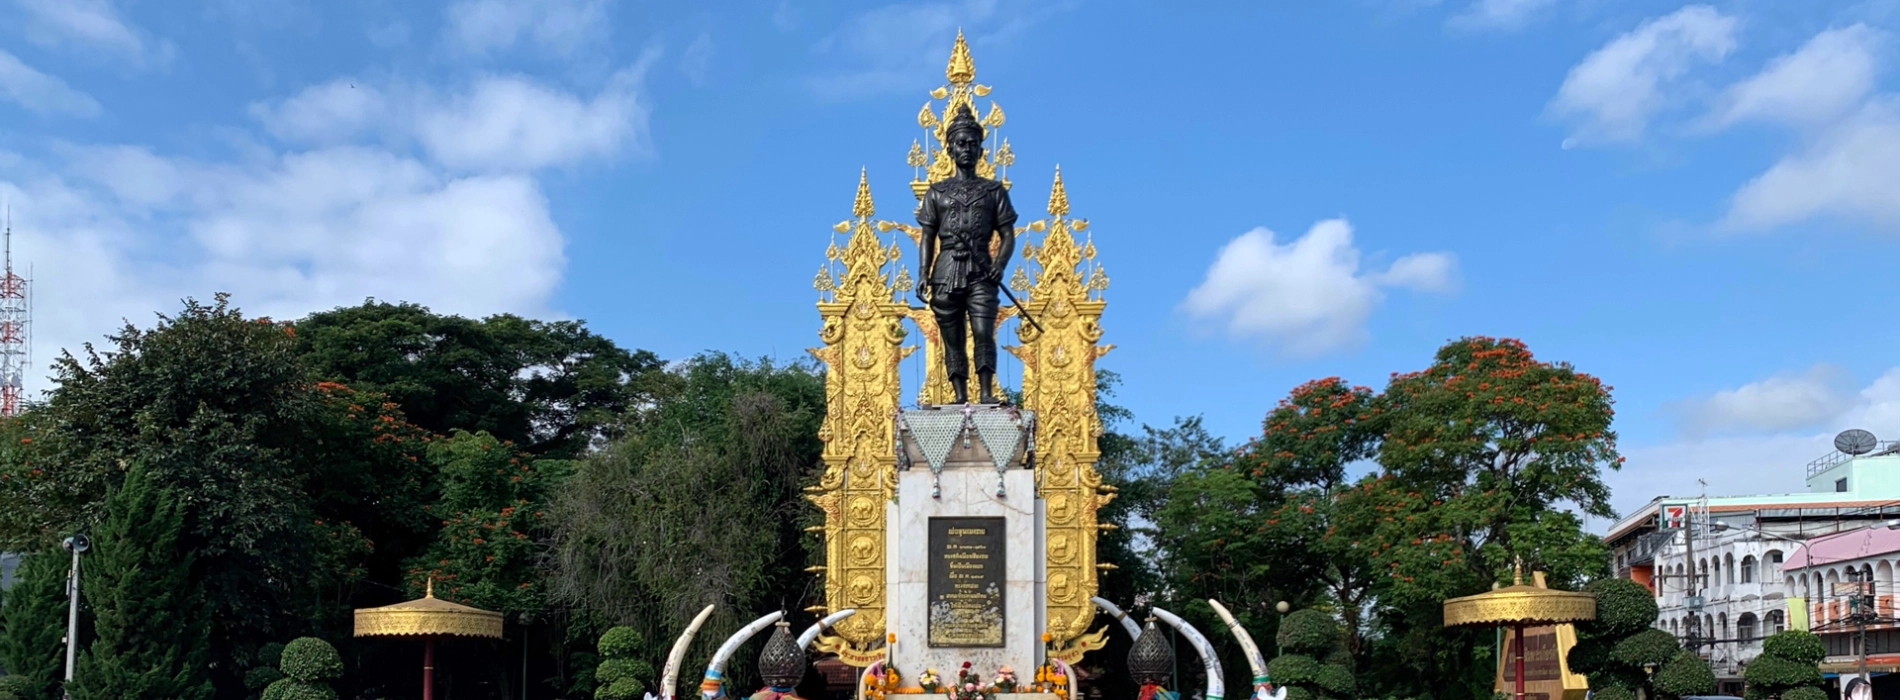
(1674, 516)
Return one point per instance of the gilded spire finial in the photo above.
(1518, 573)
(428, 589)
(1058, 197)
(961, 69)
(861, 208)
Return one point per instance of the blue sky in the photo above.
(1693, 201)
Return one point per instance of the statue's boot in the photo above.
(960, 389)
(986, 381)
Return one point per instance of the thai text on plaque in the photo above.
(966, 582)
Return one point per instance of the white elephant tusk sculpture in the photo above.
(1216, 688)
(1262, 684)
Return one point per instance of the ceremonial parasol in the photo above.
(428, 618)
(1519, 606)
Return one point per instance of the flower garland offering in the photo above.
(930, 682)
(1005, 680)
(970, 686)
(882, 680)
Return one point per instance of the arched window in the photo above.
(1715, 572)
(1777, 621)
(1748, 569)
(1702, 574)
(1745, 628)
(1728, 561)
(1721, 623)
(1867, 572)
(1774, 557)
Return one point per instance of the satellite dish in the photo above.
(1855, 441)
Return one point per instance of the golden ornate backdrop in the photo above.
(863, 288)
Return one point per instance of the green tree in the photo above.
(149, 623)
(698, 503)
(287, 487)
(493, 501)
(1482, 453)
(554, 387)
(33, 625)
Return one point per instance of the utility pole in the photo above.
(1692, 601)
(77, 544)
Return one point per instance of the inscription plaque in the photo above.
(966, 582)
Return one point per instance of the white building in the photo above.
(1740, 544)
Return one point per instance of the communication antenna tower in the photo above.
(16, 341)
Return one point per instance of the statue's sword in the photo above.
(1020, 311)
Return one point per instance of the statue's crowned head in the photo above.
(964, 137)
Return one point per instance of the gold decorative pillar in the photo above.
(1064, 294)
(863, 331)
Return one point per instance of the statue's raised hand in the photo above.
(921, 286)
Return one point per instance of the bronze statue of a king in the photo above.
(959, 215)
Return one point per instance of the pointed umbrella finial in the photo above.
(1518, 572)
(428, 589)
(961, 69)
(1058, 197)
(862, 208)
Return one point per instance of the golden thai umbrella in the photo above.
(1519, 606)
(428, 618)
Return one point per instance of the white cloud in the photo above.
(1771, 458)
(395, 190)
(696, 62)
(510, 122)
(1782, 402)
(1826, 78)
(1735, 465)
(1850, 170)
(1307, 296)
(558, 27)
(1500, 14)
(335, 111)
(91, 25)
(1617, 89)
(496, 123)
(130, 232)
(1848, 164)
(41, 93)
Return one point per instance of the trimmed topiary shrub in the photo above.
(1306, 636)
(1613, 649)
(1806, 692)
(310, 660)
(1795, 645)
(1787, 668)
(619, 674)
(261, 677)
(308, 665)
(1624, 608)
(293, 689)
(1650, 647)
(1308, 632)
(1687, 674)
(1613, 693)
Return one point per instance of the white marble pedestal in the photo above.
(966, 487)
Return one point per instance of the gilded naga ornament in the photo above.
(862, 331)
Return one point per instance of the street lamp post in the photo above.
(77, 544)
(1278, 648)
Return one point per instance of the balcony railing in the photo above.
(1837, 457)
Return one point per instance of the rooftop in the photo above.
(1853, 544)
